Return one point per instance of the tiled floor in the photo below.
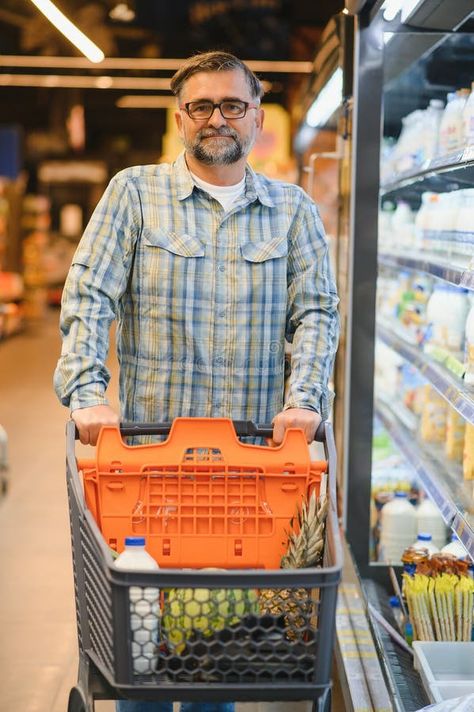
(38, 647)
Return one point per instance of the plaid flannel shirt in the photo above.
(203, 300)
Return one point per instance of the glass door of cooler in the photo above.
(410, 416)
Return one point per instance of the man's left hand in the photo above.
(307, 420)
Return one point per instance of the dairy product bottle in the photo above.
(464, 222)
(468, 119)
(431, 124)
(144, 605)
(428, 519)
(451, 131)
(469, 375)
(424, 542)
(403, 225)
(455, 548)
(398, 528)
(446, 312)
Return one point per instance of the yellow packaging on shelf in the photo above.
(433, 416)
(468, 457)
(455, 427)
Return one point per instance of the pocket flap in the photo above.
(268, 250)
(183, 245)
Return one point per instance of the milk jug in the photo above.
(144, 605)
(424, 543)
(428, 519)
(398, 528)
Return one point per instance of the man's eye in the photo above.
(200, 108)
(233, 107)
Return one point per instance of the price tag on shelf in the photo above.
(468, 154)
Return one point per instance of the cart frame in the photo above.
(102, 597)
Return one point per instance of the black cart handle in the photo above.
(243, 428)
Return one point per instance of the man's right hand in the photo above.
(90, 420)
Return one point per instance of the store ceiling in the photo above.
(252, 29)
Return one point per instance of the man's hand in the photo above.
(90, 420)
(307, 420)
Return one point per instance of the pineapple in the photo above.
(305, 548)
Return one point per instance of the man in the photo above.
(207, 267)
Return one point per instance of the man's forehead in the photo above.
(224, 84)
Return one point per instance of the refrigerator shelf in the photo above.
(443, 173)
(442, 481)
(458, 275)
(453, 389)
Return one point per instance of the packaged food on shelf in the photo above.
(439, 595)
(455, 427)
(469, 358)
(468, 454)
(433, 416)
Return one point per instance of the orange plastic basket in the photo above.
(201, 498)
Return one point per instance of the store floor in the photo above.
(38, 648)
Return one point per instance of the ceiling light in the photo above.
(122, 12)
(136, 101)
(69, 30)
(141, 64)
(327, 101)
(62, 81)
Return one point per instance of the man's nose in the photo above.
(216, 119)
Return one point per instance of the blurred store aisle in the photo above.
(38, 644)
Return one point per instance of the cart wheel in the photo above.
(77, 701)
(323, 704)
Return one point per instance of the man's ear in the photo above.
(260, 119)
(179, 121)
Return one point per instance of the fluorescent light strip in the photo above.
(133, 63)
(69, 30)
(61, 81)
(135, 101)
(327, 101)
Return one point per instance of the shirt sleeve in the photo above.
(96, 281)
(312, 324)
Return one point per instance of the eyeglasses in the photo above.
(230, 109)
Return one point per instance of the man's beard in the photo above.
(218, 152)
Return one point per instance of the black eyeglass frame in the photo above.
(246, 106)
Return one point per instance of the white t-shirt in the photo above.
(225, 194)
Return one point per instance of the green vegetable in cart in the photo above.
(207, 611)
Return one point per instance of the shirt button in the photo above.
(221, 268)
(221, 313)
(219, 361)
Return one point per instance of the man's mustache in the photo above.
(224, 131)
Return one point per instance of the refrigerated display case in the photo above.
(398, 74)
(406, 54)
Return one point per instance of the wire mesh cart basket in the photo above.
(220, 621)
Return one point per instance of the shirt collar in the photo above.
(254, 186)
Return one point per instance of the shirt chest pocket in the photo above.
(258, 252)
(263, 277)
(170, 261)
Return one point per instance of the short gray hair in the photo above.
(215, 61)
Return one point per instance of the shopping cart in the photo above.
(244, 630)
